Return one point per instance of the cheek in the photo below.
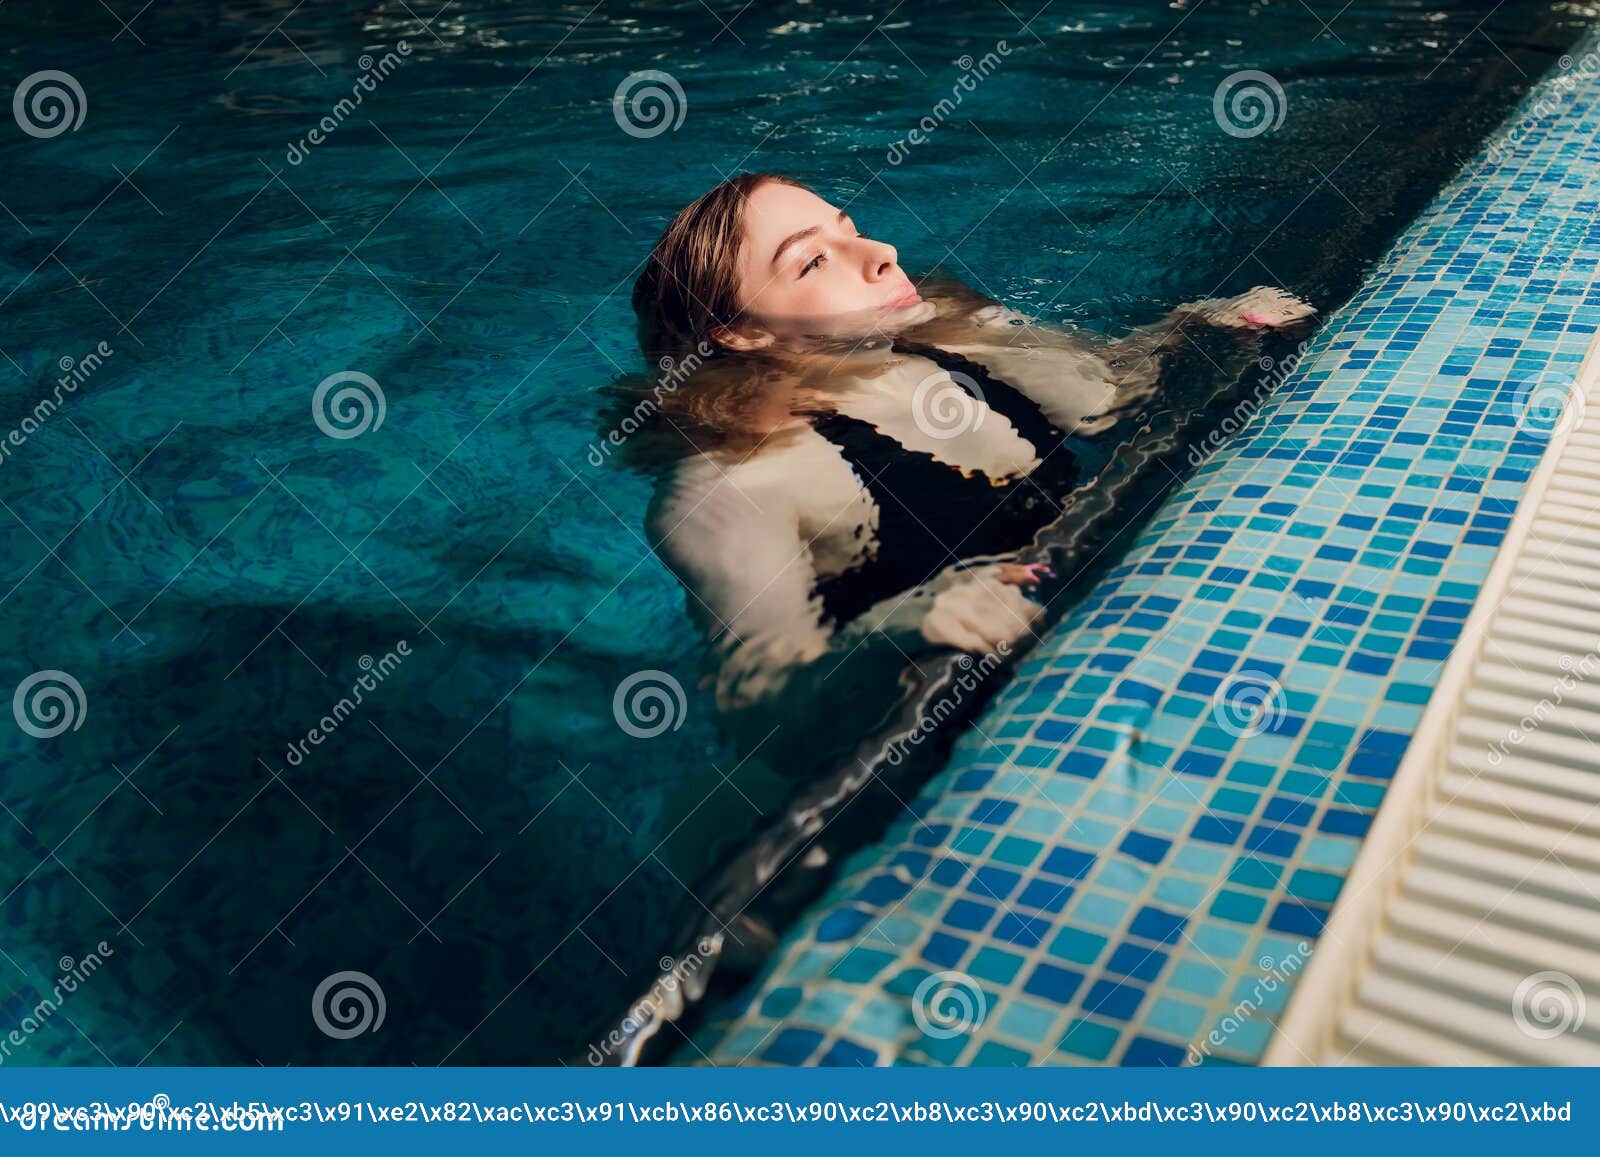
(830, 292)
(816, 296)
(821, 294)
(786, 298)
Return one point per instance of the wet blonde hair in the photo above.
(698, 395)
(690, 284)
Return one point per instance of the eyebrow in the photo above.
(796, 238)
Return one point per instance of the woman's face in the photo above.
(804, 267)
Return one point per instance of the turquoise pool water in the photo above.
(481, 837)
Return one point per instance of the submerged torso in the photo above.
(891, 463)
(954, 465)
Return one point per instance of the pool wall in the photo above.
(1131, 855)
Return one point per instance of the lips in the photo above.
(905, 298)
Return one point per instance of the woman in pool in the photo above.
(863, 460)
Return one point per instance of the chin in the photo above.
(910, 315)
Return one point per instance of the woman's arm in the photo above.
(1260, 308)
(733, 538)
(733, 541)
(1080, 387)
(1085, 382)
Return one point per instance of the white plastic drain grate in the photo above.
(1468, 931)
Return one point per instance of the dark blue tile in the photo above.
(1139, 692)
(949, 872)
(1068, 862)
(1154, 924)
(1298, 919)
(915, 863)
(1198, 763)
(968, 916)
(1021, 929)
(1393, 742)
(1143, 1052)
(1137, 961)
(1140, 846)
(993, 811)
(994, 883)
(1056, 730)
(1283, 810)
(1195, 683)
(1272, 841)
(944, 951)
(1053, 984)
(792, 1046)
(1081, 763)
(847, 1054)
(1343, 823)
(1113, 999)
(972, 780)
(1369, 664)
(1046, 895)
(840, 924)
(1216, 830)
(1374, 764)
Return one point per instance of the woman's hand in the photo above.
(1260, 308)
(1024, 574)
(980, 614)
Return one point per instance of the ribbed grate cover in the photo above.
(1469, 929)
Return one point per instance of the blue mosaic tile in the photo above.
(1122, 851)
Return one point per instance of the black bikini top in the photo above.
(931, 514)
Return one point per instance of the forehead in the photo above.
(776, 210)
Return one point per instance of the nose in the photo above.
(882, 260)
